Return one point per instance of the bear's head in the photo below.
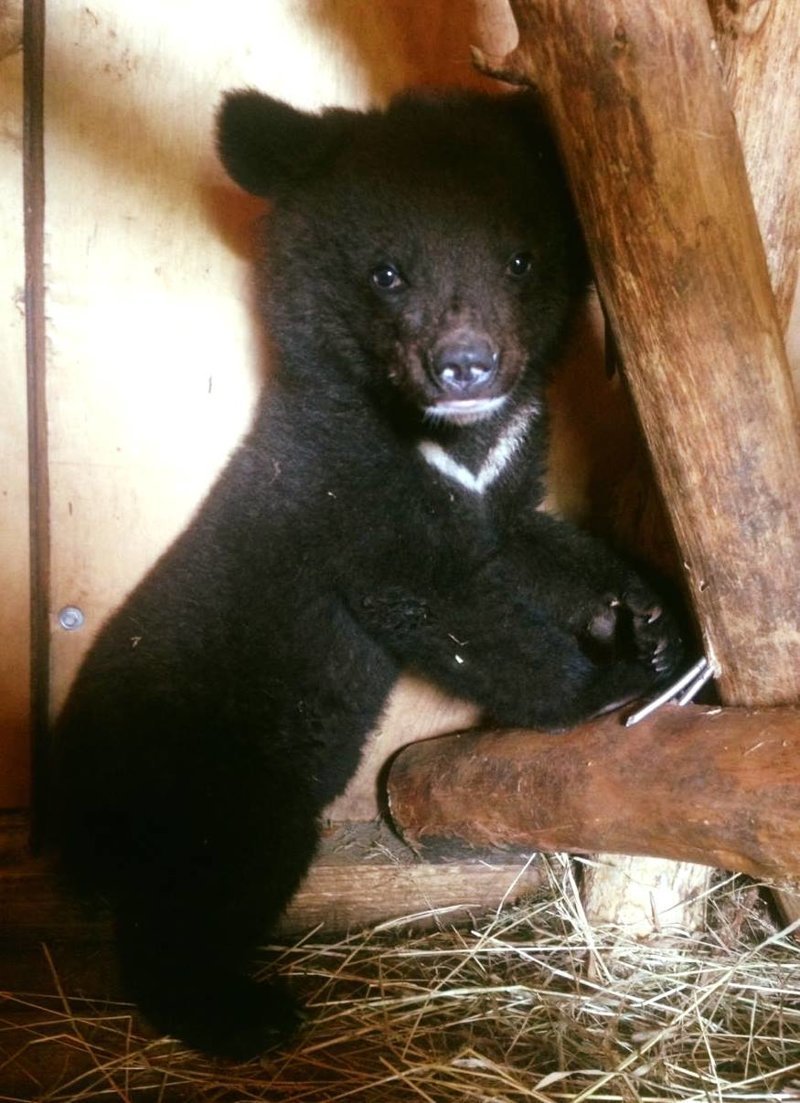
(430, 252)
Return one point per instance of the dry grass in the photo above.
(530, 1005)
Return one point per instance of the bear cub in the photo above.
(420, 268)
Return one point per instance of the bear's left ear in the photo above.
(266, 144)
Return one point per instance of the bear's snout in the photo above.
(464, 366)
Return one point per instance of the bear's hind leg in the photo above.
(187, 988)
(210, 873)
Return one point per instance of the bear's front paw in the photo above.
(655, 633)
(635, 625)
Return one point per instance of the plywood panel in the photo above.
(153, 358)
(14, 551)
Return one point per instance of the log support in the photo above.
(710, 785)
(649, 141)
(638, 99)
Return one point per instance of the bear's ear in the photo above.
(265, 144)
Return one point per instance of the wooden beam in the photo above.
(14, 486)
(710, 785)
(362, 875)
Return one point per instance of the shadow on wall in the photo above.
(411, 43)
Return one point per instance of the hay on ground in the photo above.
(530, 1004)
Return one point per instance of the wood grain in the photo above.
(759, 43)
(638, 104)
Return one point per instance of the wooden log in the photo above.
(650, 146)
(759, 44)
(638, 106)
(710, 785)
(643, 897)
(713, 785)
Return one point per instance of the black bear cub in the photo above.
(421, 265)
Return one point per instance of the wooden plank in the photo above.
(14, 547)
(363, 875)
(151, 354)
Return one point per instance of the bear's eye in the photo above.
(386, 277)
(519, 265)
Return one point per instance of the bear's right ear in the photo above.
(266, 144)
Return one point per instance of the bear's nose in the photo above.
(464, 367)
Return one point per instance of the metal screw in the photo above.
(71, 618)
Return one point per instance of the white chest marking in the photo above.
(497, 459)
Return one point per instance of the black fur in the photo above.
(227, 701)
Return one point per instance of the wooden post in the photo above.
(760, 50)
(759, 45)
(651, 150)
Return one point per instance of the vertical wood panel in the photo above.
(14, 547)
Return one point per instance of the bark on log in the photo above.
(759, 42)
(651, 150)
(715, 786)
